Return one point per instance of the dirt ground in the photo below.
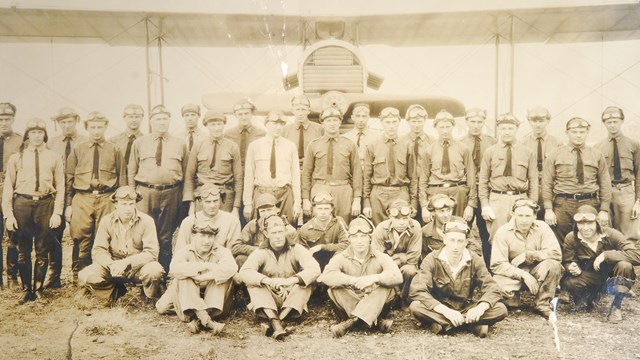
(61, 327)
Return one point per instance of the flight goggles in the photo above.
(405, 211)
(330, 112)
(538, 113)
(442, 202)
(389, 112)
(416, 111)
(96, 116)
(455, 226)
(584, 217)
(612, 115)
(525, 202)
(360, 225)
(577, 122)
(475, 112)
(243, 105)
(322, 198)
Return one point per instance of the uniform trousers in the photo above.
(12, 254)
(98, 278)
(184, 296)
(342, 198)
(87, 211)
(564, 210)
(382, 196)
(265, 297)
(460, 193)
(547, 272)
(365, 305)
(283, 195)
(501, 205)
(622, 201)
(590, 282)
(490, 317)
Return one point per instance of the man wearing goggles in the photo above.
(526, 252)
(133, 115)
(125, 250)
(331, 165)
(202, 267)
(279, 277)
(443, 290)
(361, 134)
(540, 142)
(622, 155)
(361, 281)
(325, 234)
(575, 175)
(389, 172)
(447, 168)
(228, 225)
(400, 237)
(418, 139)
(441, 206)
(596, 259)
(508, 173)
(302, 131)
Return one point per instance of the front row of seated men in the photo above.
(366, 277)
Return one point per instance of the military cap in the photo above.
(190, 108)
(126, 193)
(133, 109)
(66, 113)
(35, 124)
(612, 112)
(322, 197)
(266, 200)
(361, 107)
(275, 116)
(244, 104)
(507, 118)
(538, 112)
(415, 111)
(210, 116)
(330, 112)
(7, 109)
(389, 112)
(577, 122)
(300, 100)
(157, 110)
(475, 112)
(444, 115)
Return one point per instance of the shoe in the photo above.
(481, 331)
(194, 326)
(278, 331)
(28, 297)
(55, 284)
(512, 302)
(340, 329)
(615, 316)
(13, 283)
(266, 330)
(214, 326)
(385, 325)
(436, 328)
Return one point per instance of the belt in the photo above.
(510, 192)
(271, 188)
(622, 184)
(36, 198)
(228, 185)
(585, 196)
(158, 187)
(448, 184)
(95, 192)
(332, 183)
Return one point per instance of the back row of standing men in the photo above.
(363, 170)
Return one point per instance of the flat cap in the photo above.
(65, 113)
(158, 110)
(507, 118)
(7, 109)
(210, 116)
(244, 104)
(330, 112)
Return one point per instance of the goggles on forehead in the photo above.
(444, 115)
(405, 211)
(480, 113)
(525, 202)
(243, 105)
(207, 229)
(322, 197)
(133, 112)
(577, 123)
(416, 112)
(330, 112)
(300, 100)
(361, 224)
(389, 112)
(579, 217)
(507, 117)
(442, 202)
(455, 226)
(96, 116)
(612, 115)
(538, 114)
(208, 191)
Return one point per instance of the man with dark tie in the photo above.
(540, 142)
(575, 175)
(95, 169)
(133, 115)
(156, 170)
(192, 132)
(10, 143)
(302, 131)
(32, 204)
(448, 168)
(623, 160)
(361, 134)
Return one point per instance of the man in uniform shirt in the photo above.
(508, 173)
(62, 144)
(448, 168)
(125, 250)
(279, 277)
(216, 161)
(540, 142)
(361, 134)
(361, 280)
(202, 285)
(156, 170)
(302, 131)
(272, 167)
(332, 165)
(192, 132)
(575, 175)
(622, 155)
(133, 115)
(94, 170)
(32, 204)
(416, 116)
(227, 224)
(389, 172)
(525, 252)
(10, 143)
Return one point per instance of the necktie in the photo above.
(416, 149)
(300, 141)
(391, 160)
(190, 140)
(159, 152)
(539, 154)
(127, 153)
(96, 162)
(37, 170)
(213, 156)
(330, 157)
(360, 134)
(243, 144)
(617, 171)
(1, 154)
(507, 166)
(476, 152)
(272, 163)
(579, 166)
(67, 147)
(446, 165)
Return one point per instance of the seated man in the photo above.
(441, 206)
(279, 277)
(125, 250)
(253, 233)
(442, 292)
(597, 259)
(361, 280)
(526, 251)
(324, 235)
(399, 237)
(202, 275)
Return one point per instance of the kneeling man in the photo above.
(442, 291)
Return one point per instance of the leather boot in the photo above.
(278, 331)
(340, 329)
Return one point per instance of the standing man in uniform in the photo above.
(216, 161)
(133, 115)
(361, 134)
(192, 132)
(540, 142)
(332, 165)
(10, 143)
(272, 167)
(95, 169)
(575, 175)
(156, 170)
(302, 131)
(32, 204)
(62, 144)
(389, 172)
(622, 155)
(448, 168)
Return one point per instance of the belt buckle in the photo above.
(446, 185)
(35, 198)
(510, 192)
(96, 192)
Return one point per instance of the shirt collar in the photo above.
(314, 224)
(441, 141)
(348, 253)
(33, 148)
(134, 219)
(582, 240)
(207, 256)
(511, 226)
(128, 133)
(304, 125)
(99, 142)
(328, 138)
(248, 128)
(390, 139)
(466, 256)
(159, 136)
(617, 137)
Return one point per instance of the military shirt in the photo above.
(368, 136)
(549, 144)
(253, 235)
(311, 132)
(293, 260)
(425, 139)
(333, 237)
(235, 134)
(59, 144)
(122, 140)
(629, 153)
(183, 263)
(142, 164)
(343, 267)
(486, 142)
(409, 242)
(12, 143)
(228, 228)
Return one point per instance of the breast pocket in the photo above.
(590, 169)
(108, 164)
(565, 168)
(147, 153)
(626, 162)
(521, 170)
(226, 164)
(203, 160)
(379, 166)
